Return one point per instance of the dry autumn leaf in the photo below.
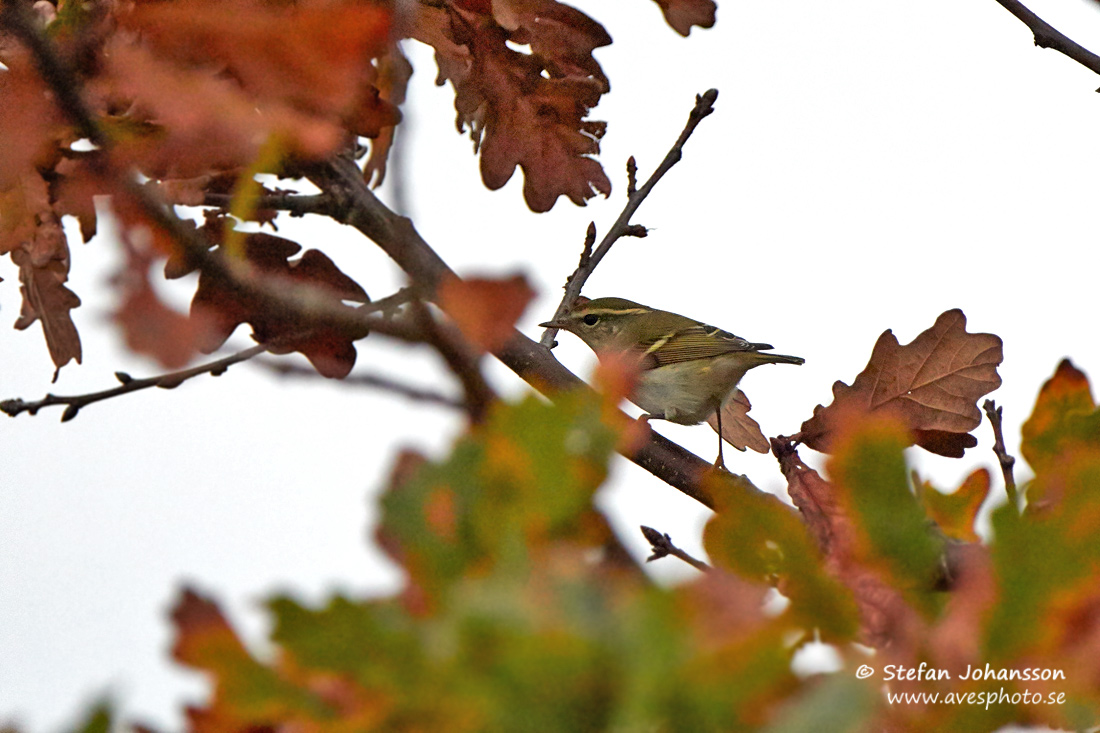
(27, 118)
(525, 109)
(312, 57)
(148, 325)
(43, 263)
(956, 512)
(738, 429)
(224, 306)
(683, 14)
(485, 310)
(931, 384)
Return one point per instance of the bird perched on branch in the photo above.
(687, 369)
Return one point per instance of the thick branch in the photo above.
(704, 105)
(1046, 36)
(993, 412)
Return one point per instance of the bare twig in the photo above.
(74, 403)
(292, 203)
(993, 412)
(1046, 36)
(704, 105)
(373, 381)
(662, 546)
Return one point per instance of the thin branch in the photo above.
(373, 381)
(662, 547)
(1046, 36)
(704, 105)
(293, 203)
(993, 412)
(171, 380)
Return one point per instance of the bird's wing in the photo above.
(697, 341)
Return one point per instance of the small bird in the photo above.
(687, 369)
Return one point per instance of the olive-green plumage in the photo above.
(688, 369)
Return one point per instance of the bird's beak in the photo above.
(555, 324)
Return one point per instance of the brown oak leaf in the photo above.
(525, 110)
(43, 263)
(23, 204)
(224, 306)
(312, 57)
(485, 310)
(27, 118)
(72, 193)
(738, 429)
(683, 14)
(394, 73)
(931, 384)
(148, 325)
(184, 122)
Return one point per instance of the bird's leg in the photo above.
(720, 462)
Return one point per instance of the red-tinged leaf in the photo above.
(827, 511)
(1064, 419)
(72, 195)
(43, 269)
(202, 122)
(372, 115)
(521, 109)
(394, 72)
(955, 512)
(931, 384)
(220, 303)
(185, 191)
(310, 57)
(149, 326)
(485, 310)
(204, 639)
(22, 205)
(28, 119)
(738, 429)
(562, 37)
(683, 14)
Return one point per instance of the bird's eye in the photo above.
(591, 319)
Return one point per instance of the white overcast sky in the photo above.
(871, 163)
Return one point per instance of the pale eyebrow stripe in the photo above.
(612, 311)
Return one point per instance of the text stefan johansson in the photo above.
(924, 672)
